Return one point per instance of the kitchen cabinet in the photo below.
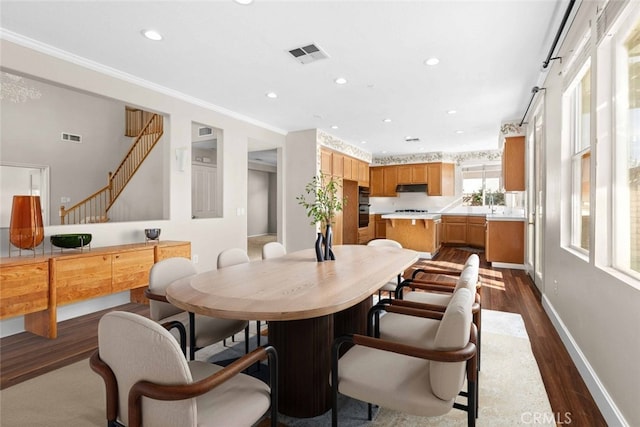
(347, 168)
(376, 186)
(464, 230)
(389, 181)
(35, 287)
(363, 174)
(441, 179)
(454, 229)
(380, 227)
(505, 241)
(476, 231)
(513, 164)
(326, 161)
(412, 174)
(337, 164)
(418, 234)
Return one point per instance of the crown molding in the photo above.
(46, 49)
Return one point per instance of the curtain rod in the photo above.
(545, 64)
(534, 90)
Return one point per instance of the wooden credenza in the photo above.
(36, 286)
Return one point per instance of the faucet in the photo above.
(492, 208)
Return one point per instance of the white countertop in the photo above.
(408, 215)
(506, 217)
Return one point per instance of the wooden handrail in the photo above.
(91, 209)
(140, 149)
(96, 207)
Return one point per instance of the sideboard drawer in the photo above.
(78, 279)
(131, 269)
(25, 289)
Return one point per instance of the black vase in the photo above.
(328, 240)
(319, 254)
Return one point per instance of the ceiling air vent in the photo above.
(308, 54)
(205, 131)
(71, 137)
(411, 139)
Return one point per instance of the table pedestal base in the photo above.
(304, 358)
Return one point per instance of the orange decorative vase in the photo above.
(26, 230)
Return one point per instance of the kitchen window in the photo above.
(481, 186)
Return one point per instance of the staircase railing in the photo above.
(96, 207)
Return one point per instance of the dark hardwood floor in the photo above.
(25, 355)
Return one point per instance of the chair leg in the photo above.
(192, 336)
(258, 334)
(472, 407)
(370, 408)
(246, 340)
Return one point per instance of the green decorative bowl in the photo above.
(70, 240)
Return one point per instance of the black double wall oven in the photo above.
(363, 207)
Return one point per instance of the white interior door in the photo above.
(203, 191)
(535, 198)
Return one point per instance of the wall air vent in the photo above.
(410, 139)
(71, 137)
(307, 54)
(205, 131)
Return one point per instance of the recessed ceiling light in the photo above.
(340, 81)
(432, 61)
(363, 142)
(334, 127)
(459, 132)
(271, 95)
(384, 152)
(243, 2)
(386, 120)
(451, 112)
(152, 35)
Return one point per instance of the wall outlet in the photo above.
(555, 287)
(194, 258)
(65, 199)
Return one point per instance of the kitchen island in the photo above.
(418, 231)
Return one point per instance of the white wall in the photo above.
(207, 236)
(596, 311)
(31, 133)
(301, 164)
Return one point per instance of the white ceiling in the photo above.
(229, 55)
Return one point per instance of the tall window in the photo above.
(626, 194)
(578, 108)
(481, 185)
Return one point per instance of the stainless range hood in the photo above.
(411, 188)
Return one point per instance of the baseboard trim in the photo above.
(603, 400)
(508, 265)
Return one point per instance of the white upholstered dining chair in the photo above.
(149, 382)
(203, 330)
(418, 380)
(231, 257)
(273, 250)
(389, 286)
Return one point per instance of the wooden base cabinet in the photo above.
(505, 241)
(35, 287)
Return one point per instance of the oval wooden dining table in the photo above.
(307, 304)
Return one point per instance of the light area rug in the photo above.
(511, 391)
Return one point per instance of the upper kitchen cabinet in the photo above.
(339, 165)
(383, 181)
(513, 164)
(412, 174)
(376, 180)
(440, 179)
